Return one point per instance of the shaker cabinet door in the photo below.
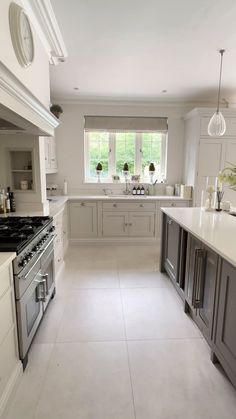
(208, 285)
(226, 317)
(83, 220)
(141, 224)
(172, 241)
(114, 224)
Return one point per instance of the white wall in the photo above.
(70, 139)
(36, 76)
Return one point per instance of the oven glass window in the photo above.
(32, 310)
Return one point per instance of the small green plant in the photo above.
(126, 167)
(99, 166)
(56, 110)
(228, 176)
(151, 167)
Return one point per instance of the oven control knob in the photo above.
(52, 229)
(23, 262)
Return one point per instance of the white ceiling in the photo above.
(134, 49)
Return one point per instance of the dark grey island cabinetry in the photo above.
(200, 284)
(224, 346)
(206, 282)
(173, 252)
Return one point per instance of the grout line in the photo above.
(128, 355)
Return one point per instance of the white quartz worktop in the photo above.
(215, 229)
(5, 259)
(126, 197)
(56, 202)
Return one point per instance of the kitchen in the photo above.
(106, 334)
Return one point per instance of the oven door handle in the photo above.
(45, 277)
(43, 282)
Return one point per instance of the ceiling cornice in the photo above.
(131, 102)
(43, 18)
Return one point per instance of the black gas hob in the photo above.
(17, 232)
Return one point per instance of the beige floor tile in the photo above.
(174, 379)
(24, 401)
(87, 381)
(75, 278)
(143, 279)
(48, 329)
(92, 315)
(156, 313)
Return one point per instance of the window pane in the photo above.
(151, 153)
(125, 151)
(98, 149)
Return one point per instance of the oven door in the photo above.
(47, 272)
(29, 312)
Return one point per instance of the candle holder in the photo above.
(151, 174)
(210, 190)
(99, 173)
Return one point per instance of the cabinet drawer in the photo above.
(129, 206)
(6, 313)
(5, 282)
(174, 204)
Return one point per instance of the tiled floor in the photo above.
(116, 344)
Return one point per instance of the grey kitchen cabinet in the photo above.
(173, 252)
(200, 284)
(171, 247)
(83, 219)
(225, 336)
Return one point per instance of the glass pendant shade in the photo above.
(217, 125)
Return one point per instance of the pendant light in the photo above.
(217, 125)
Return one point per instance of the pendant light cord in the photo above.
(221, 62)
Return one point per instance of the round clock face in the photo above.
(21, 35)
(26, 37)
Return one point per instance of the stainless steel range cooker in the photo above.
(33, 268)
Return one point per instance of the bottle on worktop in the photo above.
(134, 191)
(7, 201)
(138, 190)
(2, 201)
(12, 200)
(142, 190)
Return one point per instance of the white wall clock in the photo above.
(21, 35)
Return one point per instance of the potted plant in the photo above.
(56, 110)
(125, 168)
(228, 176)
(99, 171)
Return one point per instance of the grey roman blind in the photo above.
(125, 123)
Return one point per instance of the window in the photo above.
(114, 147)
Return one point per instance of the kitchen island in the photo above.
(198, 252)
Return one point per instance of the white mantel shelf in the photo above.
(216, 230)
